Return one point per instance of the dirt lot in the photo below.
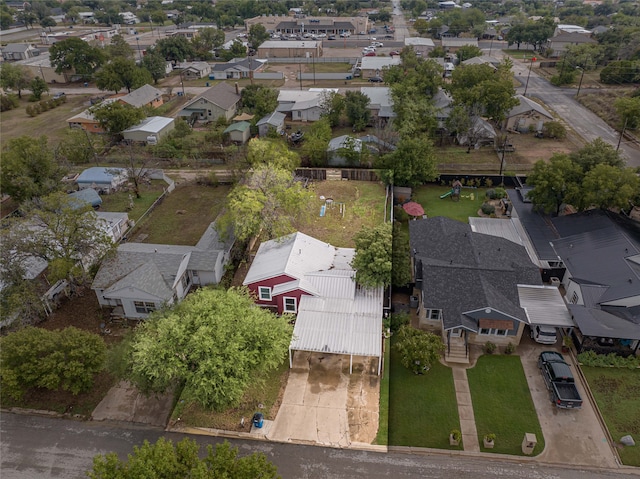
(529, 149)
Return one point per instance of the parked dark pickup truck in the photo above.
(559, 380)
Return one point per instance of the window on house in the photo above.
(264, 293)
(574, 298)
(194, 274)
(434, 314)
(493, 332)
(185, 281)
(289, 305)
(485, 331)
(144, 307)
(209, 112)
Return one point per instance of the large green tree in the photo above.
(357, 108)
(267, 202)
(273, 153)
(554, 183)
(401, 257)
(214, 343)
(34, 358)
(182, 461)
(372, 261)
(419, 350)
(628, 109)
(15, 77)
(595, 153)
(259, 99)
(38, 86)
(155, 65)
(29, 169)
(122, 73)
(116, 117)
(207, 40)
(412, 163)
(332, 105)
(606, 186)
(316, 141)
(74, 54)
(59, 230)
(257, 35)
(175, 49)
(119, 48)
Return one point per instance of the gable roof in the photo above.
(87, 195)
(341, 142)
(238, 126)
(276, 119)
(572, 37)
(16, 48)
(100, 174)
(153, 268)
(238, 64)
(463, 271)
(525, 106)
(296, 255)
(141, 96)
(222, 95)
(152, 124)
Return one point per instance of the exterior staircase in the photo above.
(456, 352)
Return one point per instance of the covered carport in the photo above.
(544, 306)
(350, 327)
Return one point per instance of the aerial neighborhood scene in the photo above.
(329, 238)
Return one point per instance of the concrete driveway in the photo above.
(571, 436)
(323, 404)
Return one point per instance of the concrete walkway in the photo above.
(465, 410)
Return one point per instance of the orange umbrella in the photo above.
(414, 209)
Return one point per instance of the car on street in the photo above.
(345, 35)
(377, 44)
(60, 94)
(331, 37)
(376, 80)
(369, 54)
(394, 52)
(321, 35)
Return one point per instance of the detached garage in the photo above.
(150, 130)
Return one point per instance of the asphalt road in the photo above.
(56, 448)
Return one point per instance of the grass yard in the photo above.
(502, 403)
(267, 392)
(119, 202)
(616, 392)
(52, 123)
(458, 154)
(382, 437)
(184, 214)
(364, 206)
(429, 197)
(422, 408)
(327, 67)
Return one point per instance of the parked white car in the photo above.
(377, 44)
(544, 334)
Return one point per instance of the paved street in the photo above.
(54, 448)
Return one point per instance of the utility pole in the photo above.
(533, 59)
(504, 148)
(624, 127)
(581, 77)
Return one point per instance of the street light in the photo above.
(580, 84)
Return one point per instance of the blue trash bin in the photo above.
(258, 420)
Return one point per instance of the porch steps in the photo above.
(334, 175)
(457, 352)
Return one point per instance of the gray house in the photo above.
(141, 278)
(18, 51)
(221, 100)
(470, 286)
(340, 150)
(236, 69)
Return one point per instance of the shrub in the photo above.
(591, 358)
(488, 209)
(509, 349)
(488, 183)
(456, 435)
(490, 437)
(489, 347)
(418, 349)
(491, 193)
(8, 102)
(499, 193)
(554, 129)
(400, 214)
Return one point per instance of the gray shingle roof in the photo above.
(463, 271)
(141, 96)
(221, 94)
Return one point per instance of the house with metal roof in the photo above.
(306, 277)
(86, 196)
(380, 103)
(374, 66)
(141, 278)
(471, 286)
(290, 49)
(150, 130)
(453, 44)
(272, 121)
(239, 132)
(301, 105)
(419, 44)
(102, 179)
(146, 95)
(339, 149)
(526, 115)
(221, 100)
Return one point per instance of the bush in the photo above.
(489, 347)
(591, 358)
(496, 193)
(554, 129)
(565, 78)
(8, 102)
(37, 358)
(488, 209)
(400, 214)
(509, 349)
(623, 71)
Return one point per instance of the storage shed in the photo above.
(239, 132)
(102, 179)
(273, 121)
(150, 130)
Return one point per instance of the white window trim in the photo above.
(284, 305)
(494, 332)
(264, 289)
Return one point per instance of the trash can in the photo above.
(413, 302)
(258, 420)
(207, 84)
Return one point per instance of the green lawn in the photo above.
(422, 408)
(383, 418)
(184, 214)
(120, 201)
(617, 393)
(429, 197)
(502, 403)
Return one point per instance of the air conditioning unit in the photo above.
(152, 140)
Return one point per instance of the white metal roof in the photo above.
(153, 124)
(419, 42)
(340, 326)
(378, 63)
(296, 255)
(290, 44)
(544, 306)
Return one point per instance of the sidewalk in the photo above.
(465, 410)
